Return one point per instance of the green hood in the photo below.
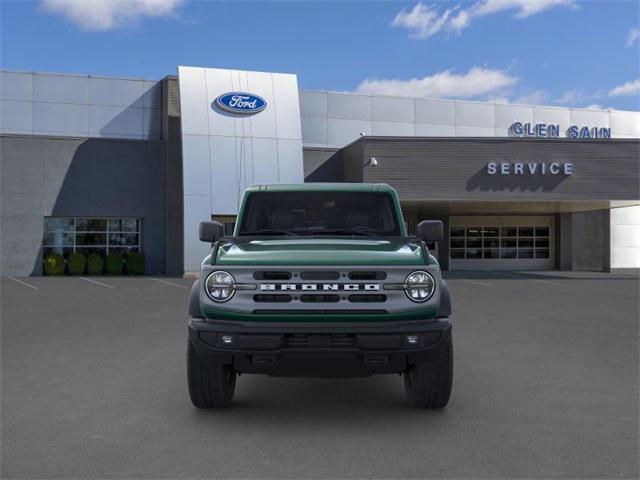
(321, 251)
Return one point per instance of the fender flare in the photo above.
(194, 300)
(444, 310)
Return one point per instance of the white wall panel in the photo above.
(197, 178)
(313, 104)
(228, 160)
(291, 169)
(107, 121)
(506, 115)
(314, 130)
(425, 130)
(435, 112)
(389, 109)
(594, 118)
(285, 88)
(60, 89)
(462, 131)
(16, 117)
(625, 237)
(116, 92)
(349, 106)
(265, 161)
(16, 86)
(392, 129)
(624, 123)
(61, 118)
(194, 103)
(197, 208)
(554, 116)
(470, 114)
(342, 132)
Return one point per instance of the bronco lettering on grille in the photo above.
(314, 287)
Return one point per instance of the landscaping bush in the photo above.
(113, 263)
(76, 263)
(53, 264)
(95, 264)
(135, 263)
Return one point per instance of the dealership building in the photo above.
(101, 164)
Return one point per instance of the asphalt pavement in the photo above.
(545, 386)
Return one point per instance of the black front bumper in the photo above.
(320, 349)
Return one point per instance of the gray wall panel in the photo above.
(456, 169)
(43, 176)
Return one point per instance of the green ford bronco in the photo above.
(320, 280)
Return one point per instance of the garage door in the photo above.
(507, 243)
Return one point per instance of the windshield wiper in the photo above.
(267, 231)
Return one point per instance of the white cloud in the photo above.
(538, 97)
(633, 36)
(421, 21)
(631, 87)
(595, 106)
(424, 22)
(475, 83)
(100, 15)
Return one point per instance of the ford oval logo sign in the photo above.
(240, 103)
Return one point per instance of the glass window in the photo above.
(491, 253)
(316, 214)
(474, 242)
(91, 225)
(66, 235)
(499, 242)
(491, 242)
(525, 253)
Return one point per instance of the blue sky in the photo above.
(558, 52)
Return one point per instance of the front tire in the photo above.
(428, 384)
(212, 383)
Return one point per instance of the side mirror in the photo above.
(430, 230)
(211, 231)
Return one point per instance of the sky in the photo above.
(547, 52)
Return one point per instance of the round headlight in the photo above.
(419, 286)
(220, 286)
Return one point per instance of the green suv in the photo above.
(320, 280)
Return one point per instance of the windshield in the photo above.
(319, 213)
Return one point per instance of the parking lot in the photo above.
(545, 386)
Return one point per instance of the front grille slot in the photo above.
(319, 275)
(303, 340)
(273, 298)
(319, 298)
(357, 298)
(275, 275)
(365, 275)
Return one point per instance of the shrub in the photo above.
(113, 263)
(135, 263)
(95, 264)
(53, 264)
(76, 263)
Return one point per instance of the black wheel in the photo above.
(211, 383)
(428, 384)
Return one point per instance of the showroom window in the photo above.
(499, 242)
(66, 235)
